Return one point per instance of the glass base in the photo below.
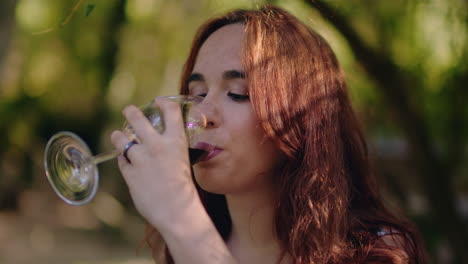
(70, 168)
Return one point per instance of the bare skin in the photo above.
(159, 179)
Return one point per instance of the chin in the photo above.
(211, 185)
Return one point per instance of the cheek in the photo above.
(265, 155)
(249, 160)
(258, 151)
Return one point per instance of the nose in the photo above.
(210, 108)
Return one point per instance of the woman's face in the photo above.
(244, 158)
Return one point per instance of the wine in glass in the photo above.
(72, 169)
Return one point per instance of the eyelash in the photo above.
(238, 97)
(235, 97)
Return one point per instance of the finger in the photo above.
(172, 115)
(124, 145)
(123, 165)
(119, 140)
(139, 123)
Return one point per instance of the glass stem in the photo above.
(106, 156)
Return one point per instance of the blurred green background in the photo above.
(74, 65)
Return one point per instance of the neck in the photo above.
(253, 236)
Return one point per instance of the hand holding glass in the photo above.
(72, 169)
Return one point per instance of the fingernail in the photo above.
(159, 99)
(127, 108)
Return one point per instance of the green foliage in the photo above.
(64, 71)
(89, 9)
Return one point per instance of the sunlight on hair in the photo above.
(42, 239)
(108, 209)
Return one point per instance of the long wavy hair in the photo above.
(328, 209)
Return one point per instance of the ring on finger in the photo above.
(126, 148)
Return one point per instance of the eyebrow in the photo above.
(233, 74)
(227, 75)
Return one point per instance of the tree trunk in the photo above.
(7, 21)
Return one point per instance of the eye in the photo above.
(238, 97)
(197, 93)
(197, 89)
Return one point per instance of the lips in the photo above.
(211, 149)
(205, 146)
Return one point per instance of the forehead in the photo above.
(222, 49)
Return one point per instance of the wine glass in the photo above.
(72, 169)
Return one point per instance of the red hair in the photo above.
(328, 208)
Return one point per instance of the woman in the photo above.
(289, 180)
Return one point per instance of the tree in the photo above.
(27, 118)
